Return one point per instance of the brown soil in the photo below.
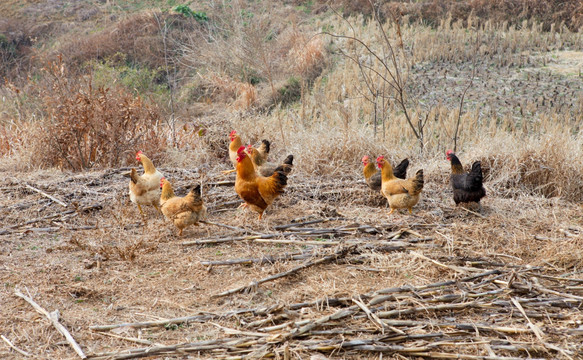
(95, 263)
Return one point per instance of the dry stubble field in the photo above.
(96, 264)
(444, 282)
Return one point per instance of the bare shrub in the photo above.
(94, 127)
(307, 55)
(247, 45)
(240, 95)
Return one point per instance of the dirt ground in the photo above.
(94, 262)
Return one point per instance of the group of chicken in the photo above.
(403, 193)
(260, 182)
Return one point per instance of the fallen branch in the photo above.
(256, 237)
(54, 319)
(229, 227)
(339, 254)
(138, 325)
(14, 347)
(180, 320)
(290, 225)
(46, 195)
(222, 183)
(263, 260)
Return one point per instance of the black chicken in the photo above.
(467, 187)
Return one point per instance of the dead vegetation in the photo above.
(339, 280)
(326, 274)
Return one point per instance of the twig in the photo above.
(262, 260)
(341, 253)
(222, 183)
(372, 317)
(54, 319)
(537, 331)
(14, 347)
(230, 227)
(199, 318)
(180, 320)
(473, 212)
(48, 217)
(132, 339)
(266, 236)
(46, 195)
(290, 225)
(451, 267)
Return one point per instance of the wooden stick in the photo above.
(180, 320)
(372, 317)
(473, 212)
(207, 345)
(549, 291)
(261, 236)
(399, 312)
(290, 225)
(52, 216)
(46, 195)
(54, 319)
(451, 267)
(14, 347)
(537, 331)
(262, 260)
(230, 227)
(341, 253)
(132, 339)
(222, 183)
(199, 318)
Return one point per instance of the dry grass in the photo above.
(111, 270)
(98, 265)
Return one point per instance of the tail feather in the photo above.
(400, 171)
(287, 165)
(266, 145)
(474, 177)
(418, 182)
(134, 176)
(280, 177)
(197, 192)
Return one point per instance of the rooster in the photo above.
(257, 191)
(467, 187)
(373, 176)
(182, 211)
(265, 168)
(400, 193)
(145, 188)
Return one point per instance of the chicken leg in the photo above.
(142, 214)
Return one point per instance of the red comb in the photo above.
(365, 158)
(241, 149)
